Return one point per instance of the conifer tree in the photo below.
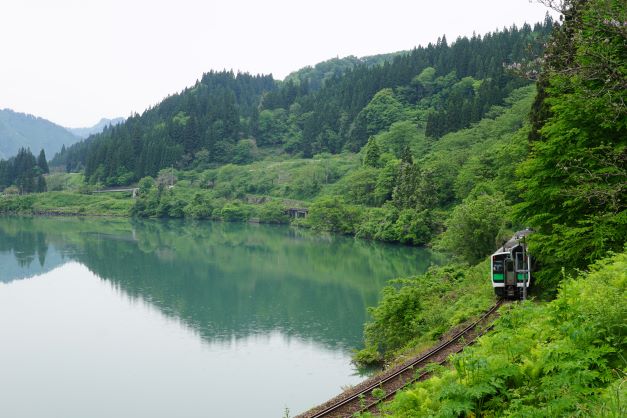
(42, 162)
(41, 184)
(373, 154)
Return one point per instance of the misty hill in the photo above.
(234, 118)
(96, 129)
(20, 130)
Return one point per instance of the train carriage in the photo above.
(511, 267)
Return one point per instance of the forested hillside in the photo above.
(567, 357)
(204, 123)
(574, 182)
(229, 117)
(19, 130)
(316, 76)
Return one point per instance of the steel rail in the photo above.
(334, 407)
(421, 376)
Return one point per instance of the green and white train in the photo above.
(511, 267)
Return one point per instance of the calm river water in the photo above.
(119, 318)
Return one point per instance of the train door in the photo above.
(510, 278)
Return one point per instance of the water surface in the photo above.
(105, 318)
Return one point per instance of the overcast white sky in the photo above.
(75, 61)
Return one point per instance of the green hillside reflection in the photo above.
(224, 280)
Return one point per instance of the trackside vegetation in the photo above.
(563, 358)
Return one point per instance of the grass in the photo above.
(68, 203)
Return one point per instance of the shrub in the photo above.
(233, 212)
(473, 227)
(416, 311)
(272, 212)
(331, 214)
(145, 185)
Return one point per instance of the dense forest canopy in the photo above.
(317, 75)
(227, 117)
(574, 181)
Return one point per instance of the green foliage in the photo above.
(315, 77)
(386, 181)
(475, 227)
(403, 134)
(42, 163)
(415, 227)
(418, 310)
(272, 212)
(24, 172)
(573, 183)
(245, 152)
(333, 215)
(372, 155)
(232, 212)
(145, 185)
(358, 186)
(368, 355)
(68, 203)
(378, 393)
(383, 110)
(379, 224)
(565, 358)
(201, 207)
(404, 194)
(273, 127)
(64, 181)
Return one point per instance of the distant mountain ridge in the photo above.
(97, 128)
(21, 130)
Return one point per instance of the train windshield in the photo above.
(497, 266)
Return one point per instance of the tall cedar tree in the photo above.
(42, 162)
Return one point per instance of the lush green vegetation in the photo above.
(434, 146)
(315, 76)
(24, 173)
(564, 358)
(68, 203)
(414, 312)
(575, 181)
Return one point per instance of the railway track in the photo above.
(393, 381)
